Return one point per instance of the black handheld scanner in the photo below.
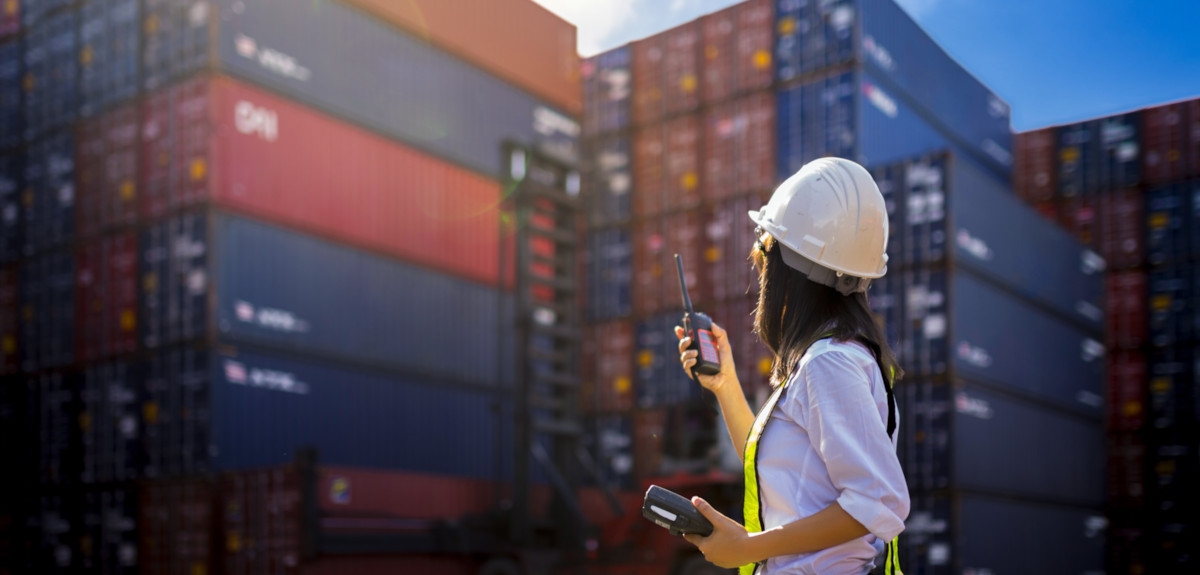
(698, 327)
(674, 512)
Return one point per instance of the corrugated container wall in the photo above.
(12, 230)
(609, 383)
(1165, 144)
(655, 281)
(608, 180)
(10, 18)
(1034, 170)
(106, 297)
(421, 95)
(35, 11)
(607, 89)
(10, 323)
(517, 40)
(1125, 307)
(51, 70)
(106, 182)
(260, 154)
(1122, 229)
(1167, 214)
(48, 194)
(610, 274)
(108, 53)
(666, 73)
(1171, 302)
(11, 87)
(739, 147)
(1126, 391)
(46, 338)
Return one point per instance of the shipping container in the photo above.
(54, 399)
(608, 440)
(1120, 160)
(607, 89)
(11, 88)
(1126, 546)
(57, 527)
(345, 494)
(12, 230)
(608, 180)
(739, 147)
(1171, 547)
(46, 336)
(34, 12)
(1035, 170)
(959, 325)
(281, 289)
(1172, 390)
(1126, 472)
(110, 422)
(729, 239)
(50, 83)
(1125, 308)
(1126, 391)
(609, 273)
(1080, 216)
(10, 18)
(1170, 295)
(1167, 215)
(48, 193)
(682, 156)
(517, 40)
(611, 379)
(666, 73)
(649, 165)
(174, 404)
(1122, 232)
(1165, 143)
(752, 358)
(106, 297)
(1191, 190)
(176, 526)
(106, 175)
(811, 36)
(260, 521)
(10, 323)
(953, 213)
(677, 439)
(970, 533)
(420, 95)
(659, 379)
(655, 279)
(1193, 135)
(755, 69)
(17, 433)
(108, 53)
(1174, 472)
(1078, 156)
(109, 538)
(968, 437)
(720, 40)
(259, 154)
(1048, 211)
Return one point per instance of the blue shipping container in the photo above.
(960, 325)
(50, 82)
(885, 298)
(110, 422)
(1172, 390)
(48, 195)
(1167, 225)
(54, 399)
(47, 300)
(969, 533)
(608, 180)
(659, 378)
(174, 281)
(174, 399)
(607, 87)
(35, 11)
(12, 228)
(967, 437)
(110, 520)
(1120, 161)
(811, 36)
(264, 407)
(1078, 159)
(355, 66)
(610, 274)
(108, 53)
(10, 94)
(1170, 306)
(994, 235)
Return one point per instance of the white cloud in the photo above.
(596, 20)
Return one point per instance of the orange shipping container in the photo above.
(517, 40)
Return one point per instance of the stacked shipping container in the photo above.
(687, 130)
(1133, 179)
(218, 228)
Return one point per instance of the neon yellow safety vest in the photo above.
(751, 508)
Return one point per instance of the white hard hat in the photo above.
(832, 223)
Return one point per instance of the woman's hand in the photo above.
(727, 546)
(728, 374)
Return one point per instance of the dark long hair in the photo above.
(794, 312)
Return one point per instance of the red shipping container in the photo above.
(649, 163)
(1126, 313)
(1165, 143)
(1034, 169)
(681, 68)
(175, 526)
(730, 238)
(1126, 485)
(261, 514)
(517, 40)
(752, 358)
(1126, 391)
(739, 147)
(106, 297)
(683, 163)
(107, 171)
(755, 42)
(252, 152)
(611, 381)
(1081, 218)
(9, 321)
(354, 492)
(1193, 139)
(648, 56)
(1121, 229)
(655, 281)
(1048, 210)
(719, 53)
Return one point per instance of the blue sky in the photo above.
(1053, 61)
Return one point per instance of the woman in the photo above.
(824, 489)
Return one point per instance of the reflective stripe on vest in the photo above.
(751, 508)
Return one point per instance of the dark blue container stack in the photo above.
(1126, 184)
(251, 340)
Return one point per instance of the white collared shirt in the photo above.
(827, 442)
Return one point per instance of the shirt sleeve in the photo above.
(844, 424)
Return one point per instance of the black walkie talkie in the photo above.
(698, 327)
